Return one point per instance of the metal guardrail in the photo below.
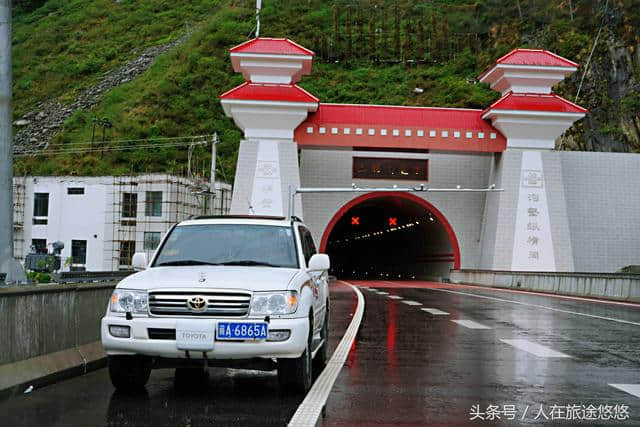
(552, 273)
(91, 276)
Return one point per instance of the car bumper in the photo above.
(140, 343)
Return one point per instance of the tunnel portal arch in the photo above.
(423, 238)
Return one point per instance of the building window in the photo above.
(153, 203)
(40, 208)
(129, 205)
(127, 249)
(39, 246)
(75, 190)
(79, 251)
(386, 168)
(151, 240)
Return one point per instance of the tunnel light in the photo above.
(431, 219)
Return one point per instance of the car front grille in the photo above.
(218, 303)
(162, 334)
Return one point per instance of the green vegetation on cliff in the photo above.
(65, 46)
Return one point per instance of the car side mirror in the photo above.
(319, 262)
(139, 261)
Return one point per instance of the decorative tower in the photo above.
(520, 223)
(268, 107)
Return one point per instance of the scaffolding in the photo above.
(144, 207)
(19, 191)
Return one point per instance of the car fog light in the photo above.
(119, 331)
(279, 335)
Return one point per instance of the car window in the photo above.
(229, 244)
(308, 247)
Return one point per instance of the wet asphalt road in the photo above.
(412, 367)
(229, 397)
(408, 366)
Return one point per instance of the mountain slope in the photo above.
(438, 46)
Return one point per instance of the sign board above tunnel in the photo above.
(399, 127)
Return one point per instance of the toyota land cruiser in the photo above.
(244, 292)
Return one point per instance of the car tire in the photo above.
(129, 373)
(322, 356)
(296, 375)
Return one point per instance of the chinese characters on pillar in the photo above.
(533, 248)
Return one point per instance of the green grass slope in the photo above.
(65, 46)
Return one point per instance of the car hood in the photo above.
(211, 277)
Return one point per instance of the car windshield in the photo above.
(229, 244)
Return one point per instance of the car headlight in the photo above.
(269, 303)
(123, 301)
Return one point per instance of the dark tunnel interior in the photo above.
(390, 237)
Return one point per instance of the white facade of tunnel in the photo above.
(527, 227)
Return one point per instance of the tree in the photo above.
(396, 32)
(372, 35)
(434, 45)
(362, 45)
(336, 34)
(445, 39)
(408, 50)
(349, 41)
(384, 54)
(420, 45)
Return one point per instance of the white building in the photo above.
(104, 220)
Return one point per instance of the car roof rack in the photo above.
(280, 218)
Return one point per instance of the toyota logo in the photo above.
(197, 303)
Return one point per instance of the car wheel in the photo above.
(129, 372)
(296, 374)
(322, 356)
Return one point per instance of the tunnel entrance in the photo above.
(390, 236)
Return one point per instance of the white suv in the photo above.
(244, 292)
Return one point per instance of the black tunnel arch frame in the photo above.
(399, 195)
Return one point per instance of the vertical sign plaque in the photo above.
(532, 246)
(266, 196)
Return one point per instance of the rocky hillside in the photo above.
(154, 68)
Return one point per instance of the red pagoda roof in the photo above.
(538, 57)
(267, 45)
(269, 92)
(399, 127)
(535, 102)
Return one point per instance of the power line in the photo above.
(116, 148)
(166, 138)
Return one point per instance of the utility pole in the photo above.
(212, 199)
(8, 264)
(258, 7)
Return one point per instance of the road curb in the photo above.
(39, 371)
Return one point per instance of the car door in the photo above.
(318, 279)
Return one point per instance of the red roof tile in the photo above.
(269, 92)
(538, 57)
(271, 46)
(387, 115)
(536, 102)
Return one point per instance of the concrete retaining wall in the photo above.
(617, 287)
(48, 330)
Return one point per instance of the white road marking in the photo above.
(633, 389)
(309, 410)
(471, 324)
(534, 348)
(394, 297)
(628, 322)
(382, 293)
(435, 311)
(408, 302)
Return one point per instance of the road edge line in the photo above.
(309, 410)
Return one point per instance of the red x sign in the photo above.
(393, 221)
(355, 220)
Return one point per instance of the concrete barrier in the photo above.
(50, 331)
(617, 287)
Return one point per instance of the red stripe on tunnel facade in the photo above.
(407, 196)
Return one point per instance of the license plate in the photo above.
(196, 335)
(242, 331)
